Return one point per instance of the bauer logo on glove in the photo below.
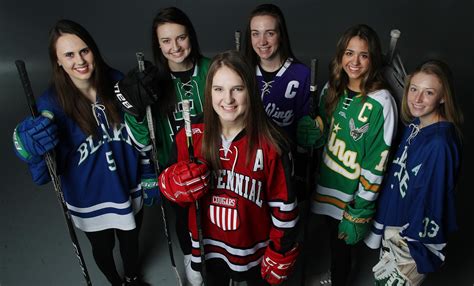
(185, 182)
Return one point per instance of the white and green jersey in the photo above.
(359, 134)
(167, 125)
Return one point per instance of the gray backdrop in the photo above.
(441, 29)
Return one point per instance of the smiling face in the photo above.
(265, 38)
(76, 59)
(175, 45)
(356, 61)
(424, 96)
(229, 97)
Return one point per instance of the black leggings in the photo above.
(341, 256)
(103, 243)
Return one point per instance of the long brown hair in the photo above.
(175, 16)
(338, 79)
(284, 47)
(449, 109)
(71, 99)
(258, 127)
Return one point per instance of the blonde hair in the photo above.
(448, 109)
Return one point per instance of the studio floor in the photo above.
(35, 248)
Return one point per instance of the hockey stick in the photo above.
(394, 71)
(154, 155)
(51, 164)
(189, 137)
(237, 37)
(310, 166)
(313, 89)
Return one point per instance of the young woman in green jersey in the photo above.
(359, 121)
(179, 74)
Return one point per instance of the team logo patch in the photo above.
(357, 133)
(223, 212)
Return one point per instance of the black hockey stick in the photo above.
(237, 38)
(51, 164)
(189, 137)
(154, 155)
(311, 164)
(313, 89)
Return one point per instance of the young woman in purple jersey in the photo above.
(282, 80)
(416, 210)
(96, 162)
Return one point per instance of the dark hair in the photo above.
(284, 48)
(449, 109)
(338, 79)
(257, 125)
(71, 99)
(176, 16)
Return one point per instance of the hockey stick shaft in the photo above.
(314, 88)
(310, 166)
(189, 137)
(237, 38)
(154, 154)
(51, 165)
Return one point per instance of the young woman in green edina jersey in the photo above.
(358, 123)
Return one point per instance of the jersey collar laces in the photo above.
(414, 131)
(98, 110)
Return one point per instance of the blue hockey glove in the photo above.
(309, 133)
(33, 137)
(151, 192)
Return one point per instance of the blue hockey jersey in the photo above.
(418, 193)
(99, 176)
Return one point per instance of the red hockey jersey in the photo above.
(247, 207)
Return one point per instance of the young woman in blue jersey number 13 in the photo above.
(97, 164)
(416, 210)
(359, 121)
(249, 210)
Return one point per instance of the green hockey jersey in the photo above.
(359, 134)
(167, 125)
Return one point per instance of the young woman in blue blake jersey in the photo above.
(97, 164)
(416, 212)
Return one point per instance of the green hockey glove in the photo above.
(355, 224)
(309, 133)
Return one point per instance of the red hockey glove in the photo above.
(276, 267)
(185, 182)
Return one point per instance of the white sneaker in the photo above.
(194, 277)
(325, 279)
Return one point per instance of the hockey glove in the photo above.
(138, 89)
(309, 133)
(276, 267)
(185, 182)
(33, 137)
(355, 224)
(396, 265)
(151, 192)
